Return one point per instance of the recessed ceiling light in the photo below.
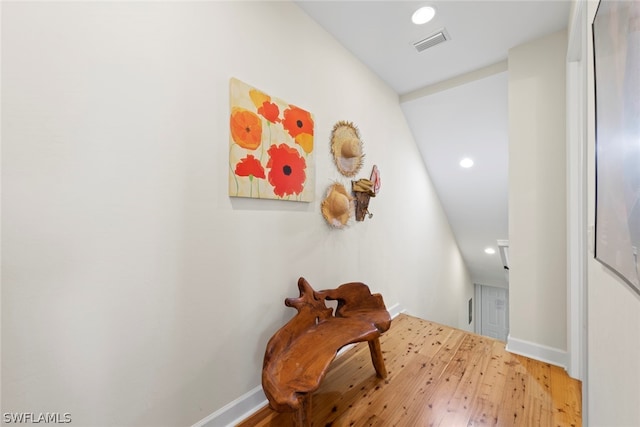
(466, 162)
(490, 251)
(423, 15)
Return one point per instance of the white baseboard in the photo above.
(396, 309)
(244, 406)
(234, 412)
(538, 352)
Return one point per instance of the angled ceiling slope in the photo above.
(463, 119)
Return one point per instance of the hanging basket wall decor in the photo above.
(363, 190)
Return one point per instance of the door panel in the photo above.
(495, 312)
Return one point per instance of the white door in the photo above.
(495, 312)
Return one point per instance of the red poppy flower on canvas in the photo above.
(250, 166)
(287, 174)
(297, 121)
(299, 124)
(272, 141)
(270, 111)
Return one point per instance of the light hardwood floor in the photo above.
(438, 376)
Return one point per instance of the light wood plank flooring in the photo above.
(439, 376)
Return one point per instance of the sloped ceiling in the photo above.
(453, 110)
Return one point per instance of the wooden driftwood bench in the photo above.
(298, 355)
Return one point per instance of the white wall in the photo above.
(537, 231)
(134, 290)
(613, 312)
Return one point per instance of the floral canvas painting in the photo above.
(270, 147)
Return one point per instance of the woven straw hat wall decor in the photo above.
(346, 148)
(337, 206)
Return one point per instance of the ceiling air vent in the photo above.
(432, 40)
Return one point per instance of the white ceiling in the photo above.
(468, 119)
